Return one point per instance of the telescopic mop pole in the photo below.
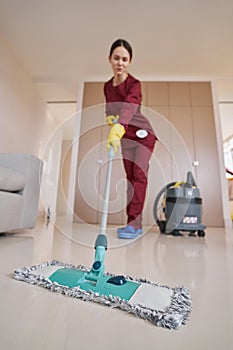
(97, 269)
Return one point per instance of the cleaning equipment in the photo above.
(178, 207)
(163, 306)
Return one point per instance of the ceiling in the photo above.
(62, 42)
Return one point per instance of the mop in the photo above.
(159, 304)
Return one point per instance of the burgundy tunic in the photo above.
(125, 100)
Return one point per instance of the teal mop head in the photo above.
(159, 304)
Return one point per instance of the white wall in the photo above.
(22, 112)
(25, 125)
(51, 155)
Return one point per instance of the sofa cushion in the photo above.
(11, 180)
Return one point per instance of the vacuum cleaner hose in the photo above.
(156, 202)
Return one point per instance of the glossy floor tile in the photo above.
(37, 319)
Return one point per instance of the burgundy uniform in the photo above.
(137, 143)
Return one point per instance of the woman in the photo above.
(130, 128)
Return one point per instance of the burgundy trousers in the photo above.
(136, 155)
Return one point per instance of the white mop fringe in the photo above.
(174, 317)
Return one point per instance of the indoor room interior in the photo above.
(53, 167)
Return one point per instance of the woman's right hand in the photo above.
(112, 119)
(116, 133)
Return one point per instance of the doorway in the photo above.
(225, 101)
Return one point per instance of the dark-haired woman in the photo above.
(134, 132)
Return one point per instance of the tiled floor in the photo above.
(37, 319)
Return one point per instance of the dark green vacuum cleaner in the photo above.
(178, 208)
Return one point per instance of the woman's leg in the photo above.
(129, 168)
(136, 156)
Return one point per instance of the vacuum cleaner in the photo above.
(178, 208)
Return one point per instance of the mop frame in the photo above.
(174, 317)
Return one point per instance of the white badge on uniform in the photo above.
(141, 133)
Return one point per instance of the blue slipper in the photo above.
(128, 227)
(128, 232)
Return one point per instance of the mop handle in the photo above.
(101, 243)
(103, 223)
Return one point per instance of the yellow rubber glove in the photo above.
(110, 119)
(114, 136)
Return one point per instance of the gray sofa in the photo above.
(20, 176)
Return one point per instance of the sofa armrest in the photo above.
(31, 167)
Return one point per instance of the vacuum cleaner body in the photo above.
(182, 208)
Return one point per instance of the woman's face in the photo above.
(119, 60)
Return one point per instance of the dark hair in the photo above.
(125, 44)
